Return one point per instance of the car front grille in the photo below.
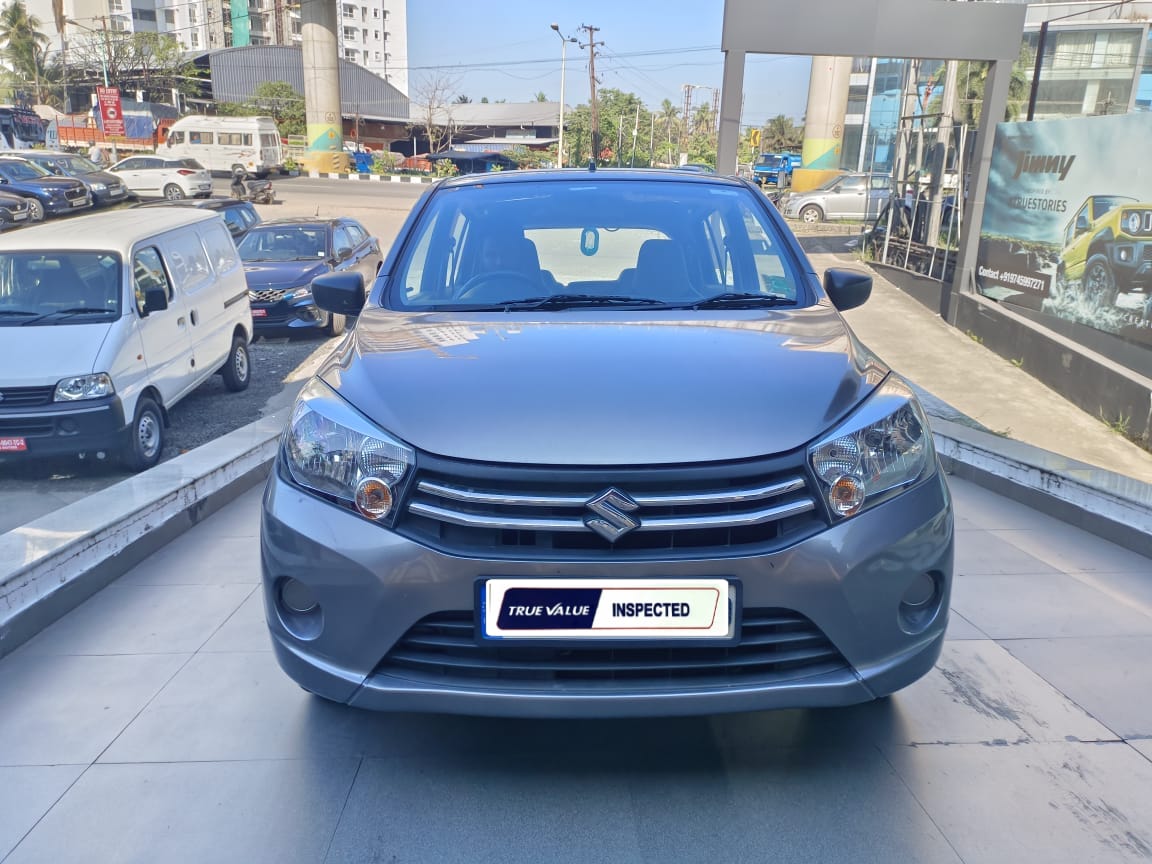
(775, 646)
(35, 427)
(548, 513)
(73, 194)
(26, 397)
(266, 295)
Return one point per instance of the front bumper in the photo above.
(65, 428)
(1132, 263)
(372, 586)
(286, 317)
(110, 196)
(59, 206)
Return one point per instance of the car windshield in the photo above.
(73, 164)
(46, 288)
(22, 171)
(595, 241)
(766, 161)
(285, 243)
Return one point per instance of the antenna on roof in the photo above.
(591, 164)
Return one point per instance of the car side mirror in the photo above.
(155, 300)
(343, 252)
(341, 293)
(1082, 225)
(847, 289)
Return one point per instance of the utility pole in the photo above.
(940, 157)
(591, 46)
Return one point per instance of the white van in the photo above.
(108, 321)
(226, 143)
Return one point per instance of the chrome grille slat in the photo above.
(704, 499)
(672, 523)
(267, 295)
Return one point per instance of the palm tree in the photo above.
(780, 134)
(23, 43)
(971, 77)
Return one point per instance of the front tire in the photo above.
(145, 437)
(335, 325)
(1099, 283)
(811, 214)
(238, 370)
(35, 210)
(174, 193)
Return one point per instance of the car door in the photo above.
(344, 249)
(148, 175)
(852, 198)
(878, 193)
(192, 277)
(366, 251)
(165, 333)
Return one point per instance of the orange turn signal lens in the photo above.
(373, 498)
(846, 495)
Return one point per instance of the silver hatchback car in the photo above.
(858, 197)
(600, 444)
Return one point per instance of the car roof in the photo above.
(117, 229)
(664, 175)
(328, 221)
(202, 203)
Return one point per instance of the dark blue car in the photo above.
(281, 258)
(46, 194)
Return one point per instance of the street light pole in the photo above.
(564, 40)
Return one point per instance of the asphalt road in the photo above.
(30, 490)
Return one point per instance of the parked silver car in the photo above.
(600, 444)
(850, 196)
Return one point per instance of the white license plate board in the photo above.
(13, 445)
(17, 217)
(607, 609)
(79, 202)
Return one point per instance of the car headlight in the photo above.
(883, 447)
(98, 187)
(302, 292)
(83, 387)
(1133, 221)
(334, 450)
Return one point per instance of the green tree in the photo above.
(22, 45)
(781, 134)
(971, 78)
(151, 62)
(275, 99)
(541, 96)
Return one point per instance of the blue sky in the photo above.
(507, 50)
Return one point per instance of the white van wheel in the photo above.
(145, 437)
(238, 370)
(173, 192)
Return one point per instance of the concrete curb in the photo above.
(55, 563)
(383, 178)
(1110, 505)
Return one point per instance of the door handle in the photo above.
(195, 318)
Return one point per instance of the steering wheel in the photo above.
(501, 278)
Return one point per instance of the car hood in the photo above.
(44, 183)
(281, 274)
(39, 355)
(604, 388)
(101, 177)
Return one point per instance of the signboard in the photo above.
(1067, 227)
(111, 115)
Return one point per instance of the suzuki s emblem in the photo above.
(609, 517)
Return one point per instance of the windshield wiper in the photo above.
(561, 301)
(747, 300)
(68, 313)
(21, 312)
